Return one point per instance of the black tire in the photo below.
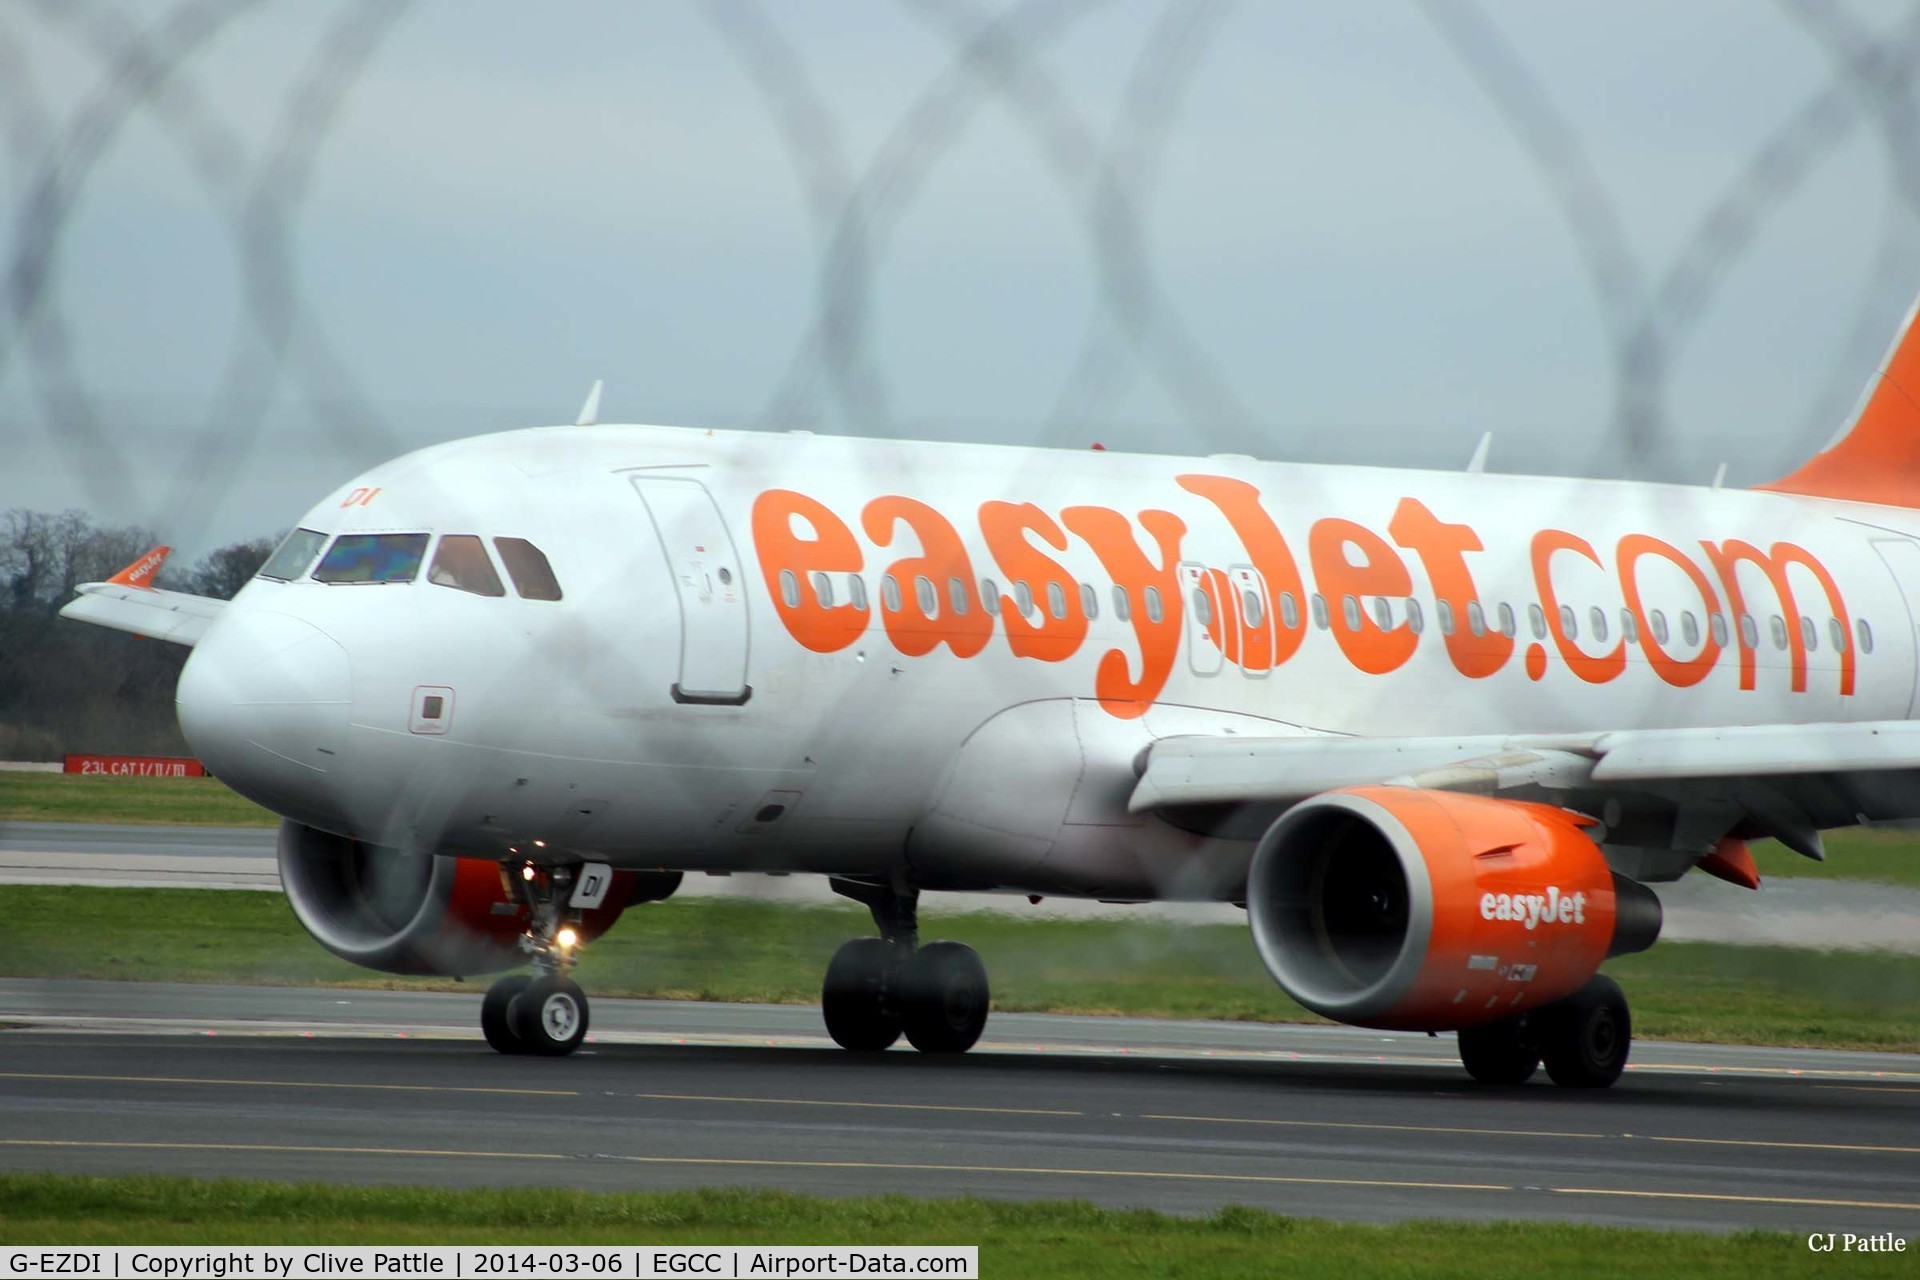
(1584, 1039)
(853, 999)
(493, 1013)
(1501, 1052)
(549, 1017)
(943, 998)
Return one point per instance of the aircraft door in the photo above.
(1206, 627)
(710, 586)
(1255, 608)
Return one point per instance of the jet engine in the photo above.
(1431, 910)
(424, 913)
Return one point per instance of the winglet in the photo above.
(1877, 457)
(590, 411)
(140, 572)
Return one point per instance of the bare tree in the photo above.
(223, 572)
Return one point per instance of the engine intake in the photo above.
(1431, 910)
(422, 913)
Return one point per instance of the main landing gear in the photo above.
(1583, 1040)
(878, 988)
(544, 1012)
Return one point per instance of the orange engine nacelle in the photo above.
(1431, 910)
(424, 913)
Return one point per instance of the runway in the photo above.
(372, 1087)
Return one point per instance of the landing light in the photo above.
(527, 872)
(566, 938)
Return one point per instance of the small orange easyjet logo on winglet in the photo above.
(140, 572)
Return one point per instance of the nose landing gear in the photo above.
(545, 1012)
(878, 988)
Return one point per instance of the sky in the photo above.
(254, 248)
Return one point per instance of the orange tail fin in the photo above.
(1877, 457)
(140, 572)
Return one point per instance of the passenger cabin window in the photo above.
(1866, 635)
(1658, 621)
(460, 562)
(1569, 625)
(1319, 611)
(294, 556)
(823, 589)
(957, 593)
(1838, 633)
(1507, 624)
(1476, 618)
(1777, 628)
(1629, 626)
(1443, 610)
(790, 589)
(1089, 600)
(1023, 597)
(1598, 617)
(857, 592)
(1689, 629)
(1717, 625)
(1251, 608)
(1749, 632)
(1809, 634)
(1202, 608)
(1537, 619)
(990, 595)
(1416, 617)
(373, 557)
(527, 566)
(1289, 611)
(890, 593)
(1156, 611)
(1056, 600)
(926, 596)
(1382, 613)
(1122, 605)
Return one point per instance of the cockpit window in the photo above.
(373, 557)
(460, 561)
(295, 553)
(527, 566)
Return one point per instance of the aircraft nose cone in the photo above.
(264, 702)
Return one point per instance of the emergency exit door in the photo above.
(709, 586)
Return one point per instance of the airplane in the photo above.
(1435, 731)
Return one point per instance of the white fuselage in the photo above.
(694, 702)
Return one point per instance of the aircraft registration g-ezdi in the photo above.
(1435, 731)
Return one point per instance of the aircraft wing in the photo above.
(125, 603)
(1784, 781)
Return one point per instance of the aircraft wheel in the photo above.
(549, 1017)
(493, 1013)
(1499, 1052)
(853, 999)
(944, 998)
(1584, 1039)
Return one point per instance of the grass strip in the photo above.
(730, 950)
(1042, 1239)
(65, 797)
